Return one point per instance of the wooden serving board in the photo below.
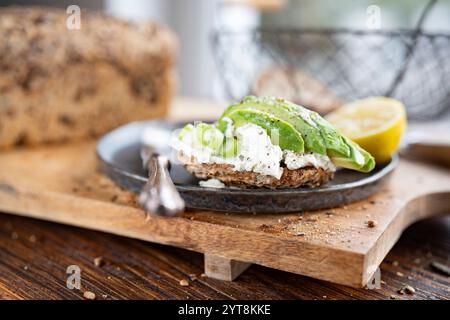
(61, 184)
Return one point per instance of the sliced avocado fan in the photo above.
(300, 130)
(290, 126)
(285, 115)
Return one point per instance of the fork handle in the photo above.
(159, 195)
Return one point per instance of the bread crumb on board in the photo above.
(98, 262)
(372, 223)
(406, 289)
(184, 283)
(193, 276)
(89, 295)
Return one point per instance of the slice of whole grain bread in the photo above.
(304, 177)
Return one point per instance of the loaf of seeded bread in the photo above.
(58, 84)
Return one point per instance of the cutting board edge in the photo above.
(33, 207)
(415, 209)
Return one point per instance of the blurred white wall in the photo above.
(194, 22)
(139, 10)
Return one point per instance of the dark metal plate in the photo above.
(119, 156)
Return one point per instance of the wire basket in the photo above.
(331, 67)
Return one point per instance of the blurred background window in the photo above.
(207, 73)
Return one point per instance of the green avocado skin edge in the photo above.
(300, 130)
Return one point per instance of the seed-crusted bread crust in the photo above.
(305, 177)
(58, 84)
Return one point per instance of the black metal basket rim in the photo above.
(384, 32)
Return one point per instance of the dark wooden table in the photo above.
(34, 256)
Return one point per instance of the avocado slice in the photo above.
(331, 137)
(280, 132)
(342, 151)
(359, 159)
(209, 136)
(318, 135)
(229, 148)
(204, 135)
(287, 113)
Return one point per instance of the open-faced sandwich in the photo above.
(268, 142)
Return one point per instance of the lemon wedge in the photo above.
(377, 124)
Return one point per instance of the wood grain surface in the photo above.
(34, 256)
(61, 184)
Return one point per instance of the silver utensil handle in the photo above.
(159, 195)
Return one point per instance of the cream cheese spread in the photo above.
(295, 161)
(212, 183)
(256, 153)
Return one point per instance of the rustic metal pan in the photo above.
(119, 154)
